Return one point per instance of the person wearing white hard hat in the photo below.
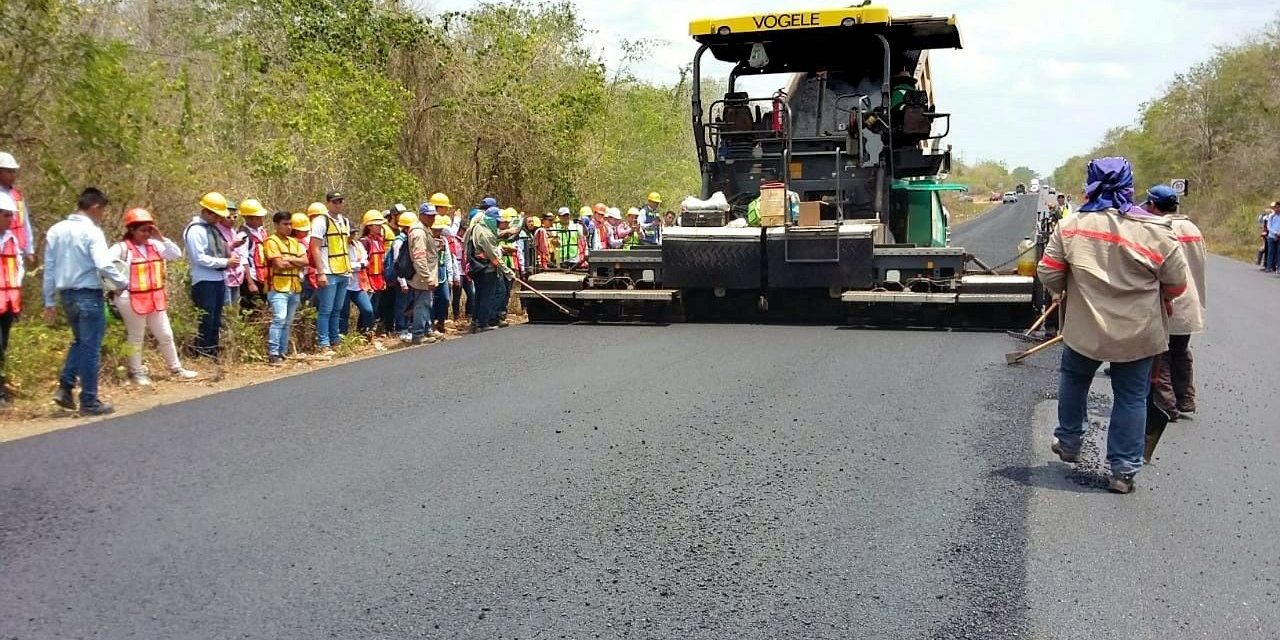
(11, 273)
(21, 225)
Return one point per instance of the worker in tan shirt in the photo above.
(1173, 382)
(1119, 268)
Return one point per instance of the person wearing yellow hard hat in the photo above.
(144, 304)
(444, 208)
(401, 294)
(286, 259)
(449, 270)
(650, 219)
(328, 246)
(211, 254)
(372, 226)
(250, 238)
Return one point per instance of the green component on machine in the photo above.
(926, 222)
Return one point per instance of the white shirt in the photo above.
(76, 257)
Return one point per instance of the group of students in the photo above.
(406, 273)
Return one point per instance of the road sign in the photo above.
(1179, 186)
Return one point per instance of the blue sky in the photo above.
(1037, 82)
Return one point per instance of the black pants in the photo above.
(6, 322)
(1173, 379)
(250, 302)
(209, 298)
(486, 307)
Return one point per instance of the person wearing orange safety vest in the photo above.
(250, 238)
(21, 225)
(11, 273)
(143, 305)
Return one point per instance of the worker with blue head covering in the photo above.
(1109, 185)
(484, 260)
(1117, 268)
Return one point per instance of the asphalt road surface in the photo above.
(690, 481)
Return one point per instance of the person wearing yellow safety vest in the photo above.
(629, 231)
(568, 242)
(329, 251)
(143, 305)
(249, 238)
(1063, 209)
(209, 256)
(11, 273)
(651, 219)
(286, 258)
(21, 225)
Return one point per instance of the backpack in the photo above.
(389, 259)
(404, 261)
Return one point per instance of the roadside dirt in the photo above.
(38, 415)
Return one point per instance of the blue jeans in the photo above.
(209, 297)
(503, 301)
(283, 306)
(87, 316)
(364, 312)
(1130, 384)
(423, 301)
(1273, 254)
(328, 312)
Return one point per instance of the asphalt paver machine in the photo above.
(850, 154)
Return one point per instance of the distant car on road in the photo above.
(1021, 189)
(1009, 197)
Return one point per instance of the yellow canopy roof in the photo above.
(846, 17)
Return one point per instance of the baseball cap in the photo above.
(1162, 195)
(564, 211)
(488, 202)
(334, 196)
(427, 209)
(7, 161)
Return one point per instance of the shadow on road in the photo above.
(1054, 476)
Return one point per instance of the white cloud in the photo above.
(1035, 83)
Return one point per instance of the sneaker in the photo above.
(1063, 454)
(485, 329)
(100, 409)
(275, 361)
(142, 380)
(63, 398)
(1122, 483)
(503, 324)
(328, 353)
(185, 374)
(406, 337)
(1187, 407)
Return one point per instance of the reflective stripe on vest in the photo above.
(19, 225)
(568, 251)
(286, 280)
(377, 254)
(258, 249)
(146, 279)
(336, 234)
(10, 285)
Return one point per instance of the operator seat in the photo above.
(739, 126)
(912, 123)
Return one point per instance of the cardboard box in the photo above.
(810, 214)
(773, 221)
